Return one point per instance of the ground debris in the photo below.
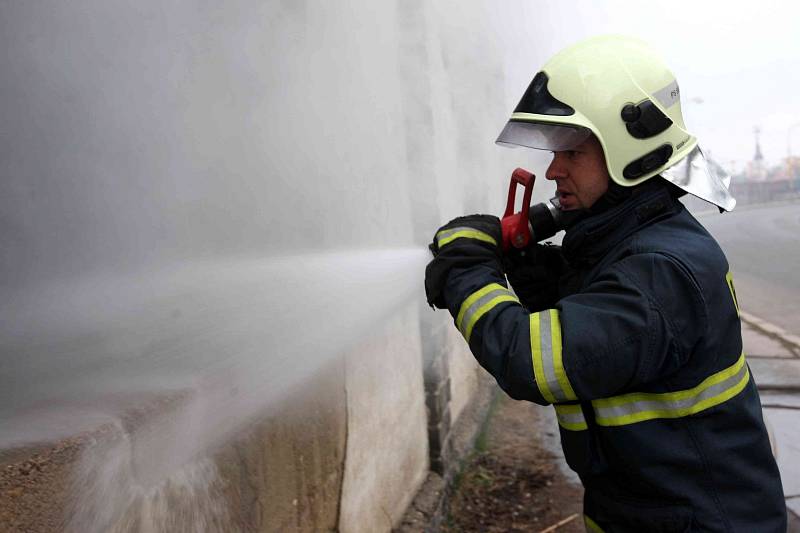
(514, 484)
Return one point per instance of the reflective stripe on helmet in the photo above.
(640, 406)
(669, 95)
(548, 366)
(570, 416)
(479, 303)
(446, 236)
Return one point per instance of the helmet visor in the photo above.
(703, 178)
(542, 136)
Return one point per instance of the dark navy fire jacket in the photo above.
(642, 358)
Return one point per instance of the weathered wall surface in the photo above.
(286, 473)
(223, 207)
(386, 456)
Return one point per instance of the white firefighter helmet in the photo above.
(620, 90)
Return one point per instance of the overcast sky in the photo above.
(742, 60)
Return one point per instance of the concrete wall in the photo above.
(387, 449)
(217, 211)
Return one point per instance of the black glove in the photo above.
(462, 242)
(534, 274)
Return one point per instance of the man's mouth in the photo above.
(566, 200)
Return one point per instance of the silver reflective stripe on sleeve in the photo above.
(447, 236)
(478, 304)
(641, 406)
(570, 416)
(548, 365)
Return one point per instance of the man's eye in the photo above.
(571, 154)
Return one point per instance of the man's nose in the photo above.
(556, 169)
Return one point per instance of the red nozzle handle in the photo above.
(515, 226)
(524, 178)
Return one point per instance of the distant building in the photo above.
(758, 182)
(756, 170)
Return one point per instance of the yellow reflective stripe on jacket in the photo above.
(548, 364)
(570, 416)
(478, 304)
(449, 235)
(591, 525)
(640, 406)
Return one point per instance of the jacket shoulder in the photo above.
(685, 241)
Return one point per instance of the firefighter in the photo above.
(631, 329)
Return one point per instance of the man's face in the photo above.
(580, 174)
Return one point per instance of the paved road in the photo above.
(763, 248)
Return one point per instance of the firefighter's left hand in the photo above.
(462, 242)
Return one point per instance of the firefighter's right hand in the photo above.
(464, 242)
(534, 273)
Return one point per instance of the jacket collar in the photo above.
(591, 238)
